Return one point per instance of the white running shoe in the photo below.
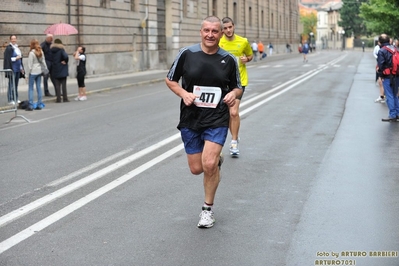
(77, 98)
(206, 218)
(11, 103)
(234, 148)
(83, 98)
(380, 100)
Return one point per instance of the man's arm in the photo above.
(187, 97)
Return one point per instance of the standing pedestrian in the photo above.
(13, 61)
(254, 47)
(381, 98)
(46, 47)
(80, 57)
(389, 81)
(210, 86)
(241, 49)
(60, 70)
(270, 46)
(35, 61)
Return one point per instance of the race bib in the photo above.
(208, 97)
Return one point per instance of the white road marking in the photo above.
(49, 220)
(21, 236)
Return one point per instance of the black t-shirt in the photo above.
(198, 68)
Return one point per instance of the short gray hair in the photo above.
(212, 19)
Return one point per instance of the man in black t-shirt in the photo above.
(210, 85)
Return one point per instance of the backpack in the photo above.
(305, 48)
(394, 69)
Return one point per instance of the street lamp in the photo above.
(342, 32)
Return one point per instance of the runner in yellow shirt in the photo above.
(241, 49)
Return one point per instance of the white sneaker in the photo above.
(77, 98)
(83, 98)
(12, 103)
(206, 218)
(380, 100)
(234, 148)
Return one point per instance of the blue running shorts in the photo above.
(194, 141)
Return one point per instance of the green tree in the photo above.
(309, 22)
(381, 16)
(351, 20)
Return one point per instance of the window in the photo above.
(235, 12)
(214, 8)
(250, 16)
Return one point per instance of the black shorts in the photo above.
(81, 79)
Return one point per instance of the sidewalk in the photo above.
(95, 84)
(106, 82)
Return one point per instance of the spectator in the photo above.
(46, 45)
(270, 46)
(35, 61)
(254, 47)
(80, 58)
(381, 98)
(390, 82)
(60, 69)
(13, 61)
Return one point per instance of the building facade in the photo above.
(138, 35)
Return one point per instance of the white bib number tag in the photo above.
(208, 97)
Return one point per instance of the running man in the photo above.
(210, 85)
(241, 49)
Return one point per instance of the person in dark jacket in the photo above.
(390, 82)
(60, 69)
(46, 45)
(13, 61)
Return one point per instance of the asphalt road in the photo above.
(106, 181)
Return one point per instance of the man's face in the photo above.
(211, 34)
(13, 39)
(228, 29)
(49, 39)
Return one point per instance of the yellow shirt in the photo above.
(238, 47)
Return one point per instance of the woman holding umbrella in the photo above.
(60, 69)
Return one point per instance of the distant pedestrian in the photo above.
(381, 98)
(46, 46)
(254, 47)
(60, 69)
(270, 46)
(261, 49)
(288, 47)
(305, 51)
(80, 57)
(363, 46)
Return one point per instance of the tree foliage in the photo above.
(351, 21)
(381, 16)
(309, 22)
